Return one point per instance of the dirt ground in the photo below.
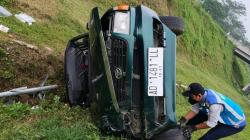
(22, 65)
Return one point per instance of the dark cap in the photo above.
(194, 89)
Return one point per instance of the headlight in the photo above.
(122, 22)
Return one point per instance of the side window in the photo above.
(158, 33)
(107, 24)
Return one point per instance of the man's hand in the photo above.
(182, 122)
(188, 130)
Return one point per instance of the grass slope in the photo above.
(206, 56)
(203, 54)
(51, 120)
(57, 21)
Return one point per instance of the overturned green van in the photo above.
(126, 65)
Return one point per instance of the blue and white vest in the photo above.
(232, 113)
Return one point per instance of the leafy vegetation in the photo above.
(2, 53)
(204, 45)
(226, 13)
(5, 72)
(204, 54)
(6, 2)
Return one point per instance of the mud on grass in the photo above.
(22, 66)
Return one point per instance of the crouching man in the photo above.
(211, 109)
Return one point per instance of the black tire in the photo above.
(172, 134)
(76, 71)
(175, 24)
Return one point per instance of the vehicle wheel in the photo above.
(175, 24)
(172, 134)
(76, 71)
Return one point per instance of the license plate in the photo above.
(155, 72)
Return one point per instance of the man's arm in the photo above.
(213, 117)
(202, 126)
(190, 115)
(193, 112)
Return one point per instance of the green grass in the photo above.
(187, 73)
(5, 71)
(49, 30)
(203, 55)
(65, 20)
(51, 120)
(46, 34)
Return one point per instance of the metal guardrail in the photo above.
(241, 50)
(246, 89)
(25, 90)
(243, 53)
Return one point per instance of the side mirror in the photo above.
(175, 24)
(87, 25)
